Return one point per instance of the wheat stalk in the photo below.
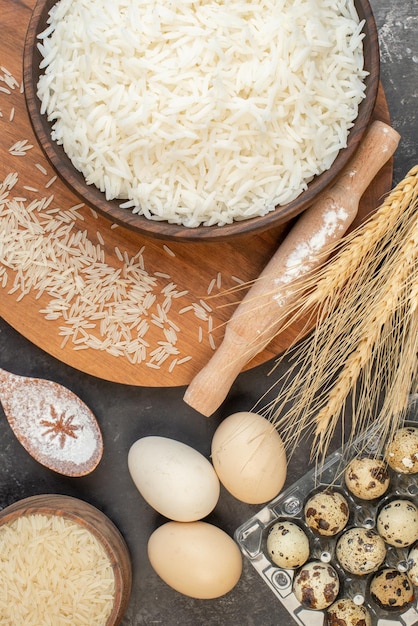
(365, 339)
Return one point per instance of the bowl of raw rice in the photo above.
(201, 120)
(62, 561)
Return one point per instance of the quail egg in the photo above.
(327, 512)
(413, 570)
(345, 612)
(287, 545)
(316, 585)
(402, 451)
(367, 478)
(397, 523)
(360, 551)
(391, 589)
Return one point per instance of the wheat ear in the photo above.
(366, 311)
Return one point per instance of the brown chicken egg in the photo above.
(391, 589)
(367, 478)
(249, 457)
(327, 512)
(196, 559)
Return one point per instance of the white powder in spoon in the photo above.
(52, 424)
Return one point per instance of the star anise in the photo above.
(59, 426)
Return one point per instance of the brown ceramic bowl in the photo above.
(96, 199)
(93, 520)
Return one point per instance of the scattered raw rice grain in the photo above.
(12, 114)
(211, 286)
(172, 365)
(206, 306)
(20, 148)
(152, 365)
(95, 305)
(168, 250)
(50, 182)
(41, 169)
(185, 359)
(181, 294)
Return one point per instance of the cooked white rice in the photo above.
(53, 572)
(202, 112)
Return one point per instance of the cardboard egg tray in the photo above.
(289, 505)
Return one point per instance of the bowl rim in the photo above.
(94, 198)
(87, 516)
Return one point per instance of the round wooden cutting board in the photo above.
(191, 288)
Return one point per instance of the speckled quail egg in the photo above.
(413, 569)
(402, 451)
(316, 585)
(345, 612)
(367, 478)
(391, 589)
(287, 545)
(360, 551)
(327, 512)
(397, 523)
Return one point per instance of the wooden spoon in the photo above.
(259, 316)
(51, 423)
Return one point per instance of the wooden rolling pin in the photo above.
(259, 316)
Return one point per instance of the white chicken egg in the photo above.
(174, 478)
(397, 523)
(402, 451)
(327, 512)
(196, 559)
(367, 478)
(316, 585)
(287, 545)
(345, 612)
(360, 551)
(249, 457)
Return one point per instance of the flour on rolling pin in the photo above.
(331, 225)
(261, 313)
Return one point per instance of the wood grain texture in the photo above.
(91, 195)
(192, 267)
(98, 524)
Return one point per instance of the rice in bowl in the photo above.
(53, 571)
(202, 113)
